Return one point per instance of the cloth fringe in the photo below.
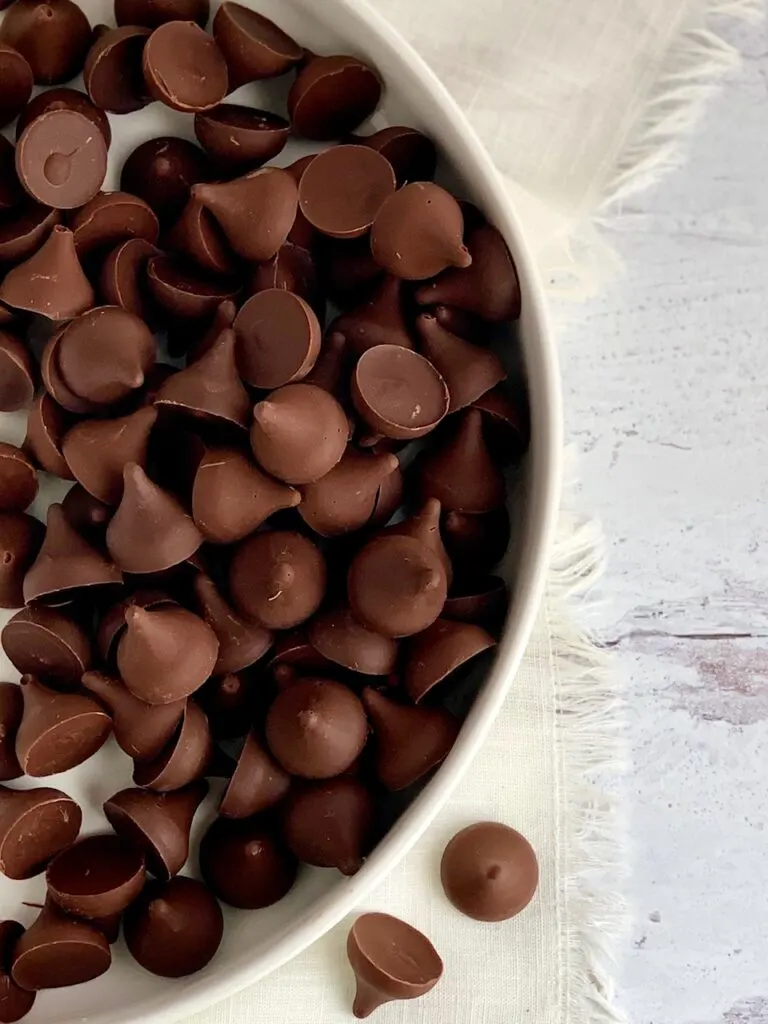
(694, 68)
(590, 736)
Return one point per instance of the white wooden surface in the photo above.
(666, 379)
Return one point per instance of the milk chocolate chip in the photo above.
(332, 96)
(489, 871)
(64, 99)
(253, 46)
(258, 782)
(142, 730)
(17, 374)
(110, 218)
(245, 864)
(399, 393)
(15, 1002)
(343, 189)
(47, 643)
(391, 960)
(52, 282)
(96, 876)
(184, 68)
(330, 824)
(58, 950)
(156, 12)
(35, 824)
(53, 35)
(11, 710)
(60, 159)
(21, 537)
(97, 450)
(460, 472)
(18, 479)
(162, 171)
(112, 74)
(15, 82)
(241, 138)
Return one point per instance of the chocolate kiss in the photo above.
(232, 497)
(344, 499)
(96, 877)
(112, 622)
(299, 433)
(410, 741)
(391, 960)
(34, 825)
(197, 235)
(98, 450)
(258, 782)
(228, 704)
(210, 388)
(440, 650)
(330, 371)
(48, 644)
(11, 710)
(52, 282)
(141, 730)
(460, 473)
(58, 730)
(256, 212)
(338, 636)
(184, 760)
(468, 370)
(424, 526)
(241, 643)
(329, 824)
(15, 1002)
(58, 950)
(489, 287)
(223, 318)
(158, 823)
(418, 232)
(378, 321)
(165, 654)
(150, 530)
(66, 563)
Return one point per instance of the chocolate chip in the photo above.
(60, 159)
(58, 950)
(52, 282)
(278, 339)
(64, 99)
(18, 479)
(412, 155)
(110, 218)
(113, 74)
(332, 96)
(35, 824)
(53, 38)
(152, 13)
(343, 189)
(96, 876)
(21, 537)
(15, 83)
(241, 138)
(162, 171)
(399, 393)
(184, 68)
(245, 864)
(254, 46)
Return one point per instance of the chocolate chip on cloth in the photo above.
(489, 871)
(184, 68)
(53, 35)
(60, 159)
(15, 83)
(391, 960)
(174, 928)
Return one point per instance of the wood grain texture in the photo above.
(666, 380)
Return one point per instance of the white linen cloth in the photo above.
(579, 102)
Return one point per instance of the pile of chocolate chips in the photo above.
(282, 540)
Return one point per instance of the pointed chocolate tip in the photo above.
(367, 999)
